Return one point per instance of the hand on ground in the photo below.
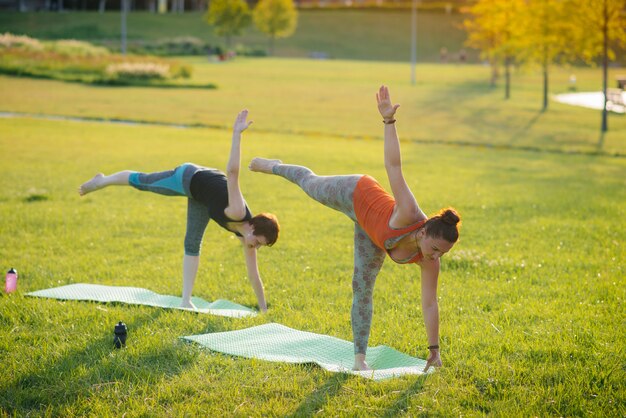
(434, 360)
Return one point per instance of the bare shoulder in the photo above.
(401, 219)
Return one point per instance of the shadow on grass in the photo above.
(401, 405)
(315, 402)
(517, 135)
(456, 95)
(82, 371)
(600, 144)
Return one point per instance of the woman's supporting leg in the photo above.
(368, 260)
(100, 181)
(197, 221)
(190, 270)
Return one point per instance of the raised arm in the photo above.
(407, 210)
(236, 209)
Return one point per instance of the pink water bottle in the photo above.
(10, 281)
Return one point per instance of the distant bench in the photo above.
(614, 97)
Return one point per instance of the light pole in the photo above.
(124, 6)
(413, 40)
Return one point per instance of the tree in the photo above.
(493, 28)
(228, 17)
(544, 37)
(276, 18)
(598, 26)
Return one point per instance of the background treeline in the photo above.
(180, 6)
(333, 34)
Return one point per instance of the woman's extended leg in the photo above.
(368, 260)
(170, 183)
(332, 191)
(100, 181)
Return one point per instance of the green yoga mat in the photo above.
(275, 342)
(139, 296)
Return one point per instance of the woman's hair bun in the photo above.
(444, 225)
(450, 216)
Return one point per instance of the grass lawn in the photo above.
(531, 298)
(449, 103)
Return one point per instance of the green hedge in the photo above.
(78, 61)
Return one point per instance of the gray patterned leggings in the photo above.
(176, 182)
(336, 192)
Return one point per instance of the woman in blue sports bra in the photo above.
(211, 194)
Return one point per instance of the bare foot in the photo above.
(188, 305)
(92, 185)
(360, 364)
(263, 165)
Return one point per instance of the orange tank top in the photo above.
(373, 208)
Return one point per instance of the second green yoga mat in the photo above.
(139, 296)
(275, 342)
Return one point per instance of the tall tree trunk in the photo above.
(494, 72)
(605, 64)
(507, 77)
(178, 6)
(545, 82)
(102, 4)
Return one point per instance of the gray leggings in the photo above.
(336, 192)
(176, 183)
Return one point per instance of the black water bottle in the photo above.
(120, 335)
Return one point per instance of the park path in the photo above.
(127, 122)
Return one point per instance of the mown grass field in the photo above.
(531, 298)
(449, 103)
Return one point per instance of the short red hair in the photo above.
(266, 224)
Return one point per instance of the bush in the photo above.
(189, 46)
(74, 48)
(70, 60)
(138, 71)
(183, 46)
(249, 52)
(8, 40)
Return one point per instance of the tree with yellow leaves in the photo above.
(544, 37)
(228, 17)
(276, 18)
(597, 28)
(494, 27)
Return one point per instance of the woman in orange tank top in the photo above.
(384, 224)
